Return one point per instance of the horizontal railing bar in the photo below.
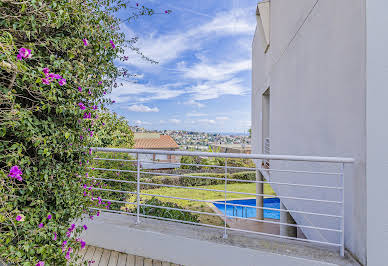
(112, 170)
(242, 193)
(118, 201)
(240, 180)
(112, 190)
(219, 227)
(207, 201)
(236, 167)
(113, 180)
(177, 209)
(282, 210)
(111, 159)
(240, 205)
(286, 237)
(232, 155)
(249, 168)
(244, 218)
(217, 178)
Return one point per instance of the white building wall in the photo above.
(377, 132)
(315, 68)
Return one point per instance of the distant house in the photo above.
(156, 141)
(232, 148)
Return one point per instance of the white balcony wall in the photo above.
(315, 68)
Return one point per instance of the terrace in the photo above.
(290, 212)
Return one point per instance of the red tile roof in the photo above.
(163, 142)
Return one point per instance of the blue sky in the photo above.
(203, 79)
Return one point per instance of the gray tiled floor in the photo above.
(104, 257)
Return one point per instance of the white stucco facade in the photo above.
(316, 71)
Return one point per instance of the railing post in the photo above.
(342, 251)
(138, 190)
(259, 199)
(226, 181)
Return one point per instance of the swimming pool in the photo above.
(239, 211)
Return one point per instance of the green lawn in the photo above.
(204, 195)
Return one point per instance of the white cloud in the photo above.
(174, 121)
(137, 92)
(211, 90)
(193, 102)
(222, 118)
(141, 123)
(215, 72)
(142, 108)
(206, 121)
(167, 47)
(195, 114)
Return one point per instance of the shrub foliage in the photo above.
(57, 65)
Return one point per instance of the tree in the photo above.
(57, 65)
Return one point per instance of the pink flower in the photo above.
(68, 253)
(85, 227)
(166, 11)
(71, 228)
(79, 89)
(24, 53)
(46, 81)
(98, 213)
(85, 42)
(99, 83)
(90, 151)
(87, 115)
(55, 237)
(90, 92)
(57, 76)
(20, 218)
(40, 225)
(82, 106)
(94, 107)
(112, 43)
(83, 244)
(62, 82)
(46, 71)
(15, 172)
(49, 217)
(40, 263)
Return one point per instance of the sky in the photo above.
(202, 81)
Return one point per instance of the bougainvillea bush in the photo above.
(57, 68)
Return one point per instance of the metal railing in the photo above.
(316, 204)
(267, 150)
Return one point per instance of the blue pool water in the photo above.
(246, 211)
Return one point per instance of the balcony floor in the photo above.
(104, 257)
